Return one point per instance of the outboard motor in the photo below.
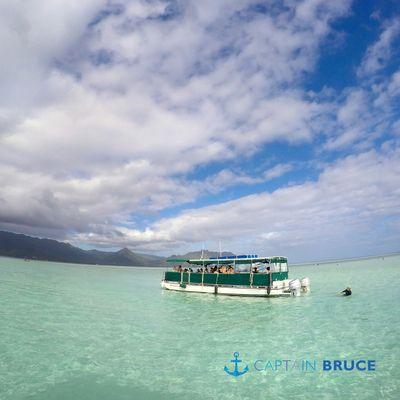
(305, 285)
(295, 286)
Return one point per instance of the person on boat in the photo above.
(255, 270)
(347, 291)
(268, 270)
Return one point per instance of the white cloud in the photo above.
(34, 37)
(106, 108)
(379, 53)
(277, 171)
(335, 216)
(365, 114)
(367, 111)
(226, 178)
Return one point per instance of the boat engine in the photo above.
(295, 286)
(305, 285)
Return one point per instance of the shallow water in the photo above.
(89, 332)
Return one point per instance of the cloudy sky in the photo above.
(273, 126)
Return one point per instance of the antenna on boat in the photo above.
(202, 251)
(220, 251)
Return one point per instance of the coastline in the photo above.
(308, 263)
(345, 260)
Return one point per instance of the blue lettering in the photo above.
(286, 364)
(255, 365)
(371, 365)
(337, 364)
(269, 365)
(358, 365)
(308, 365)
(326, 365)
(347, 367)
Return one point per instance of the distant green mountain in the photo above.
(23, 246)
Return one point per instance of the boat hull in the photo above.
(274, 291)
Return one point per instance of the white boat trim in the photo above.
(280, 288)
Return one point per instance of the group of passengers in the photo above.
(224, 269)
(255, 270)
(180, 269)
(221, 269)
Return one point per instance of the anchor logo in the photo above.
(236, 371)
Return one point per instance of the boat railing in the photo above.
(243, 278)
(284, 269)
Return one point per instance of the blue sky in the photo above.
(163, 126)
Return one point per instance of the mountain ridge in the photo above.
(19, 245)
(23, 246)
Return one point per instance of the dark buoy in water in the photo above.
(346, 292)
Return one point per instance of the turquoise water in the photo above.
(89, 332)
